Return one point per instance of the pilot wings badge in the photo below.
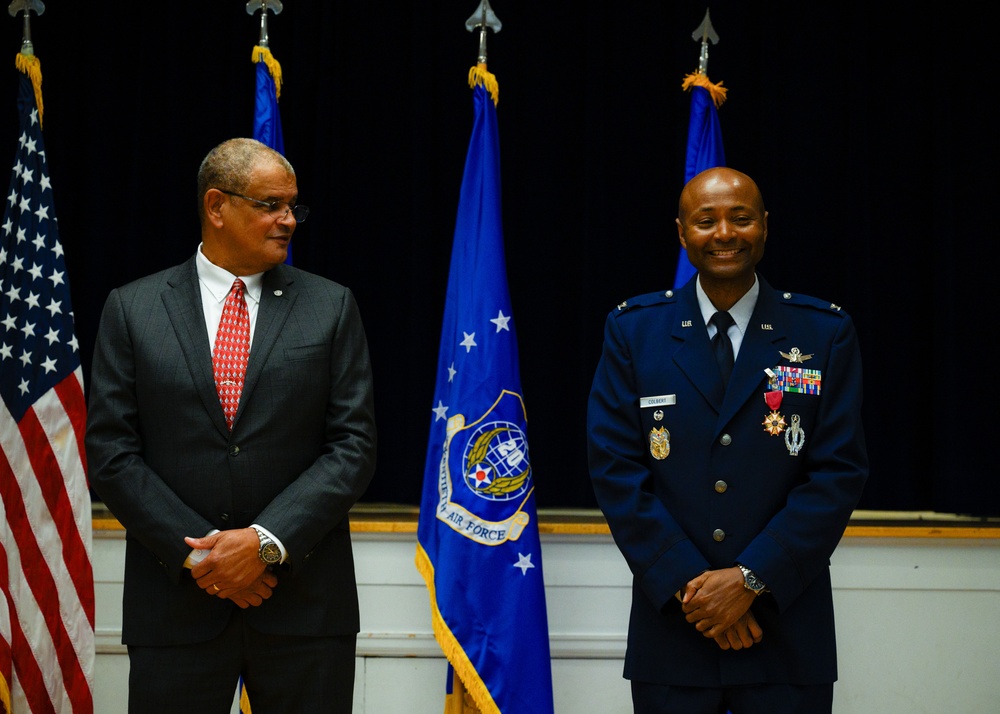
(795, 355)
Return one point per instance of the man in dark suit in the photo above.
(238, 549)
(728, 494)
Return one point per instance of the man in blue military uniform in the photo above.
(728, 463)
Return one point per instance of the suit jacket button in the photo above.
(721, 486)
(224, 517)
(725, 440)
(719, 535)
(234, 450)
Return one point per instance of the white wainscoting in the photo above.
(918, 623)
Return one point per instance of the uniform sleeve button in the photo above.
(721, 486)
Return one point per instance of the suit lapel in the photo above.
(694, 356)
(757, 352)
(182, 302)
(277, 296)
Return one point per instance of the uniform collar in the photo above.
(740, 312)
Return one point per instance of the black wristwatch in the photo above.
(751, 582)
(269, 551)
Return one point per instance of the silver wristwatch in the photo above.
(751, 582)
(269, 551)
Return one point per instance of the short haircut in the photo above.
(230, 165)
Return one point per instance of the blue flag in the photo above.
(704, 151)
(478, 546)
(266, 117)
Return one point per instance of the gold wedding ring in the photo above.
(214, 585)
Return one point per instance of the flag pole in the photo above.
(47, 644)
(267, 117)
(477, 536)
(704, 147)
(460, 700)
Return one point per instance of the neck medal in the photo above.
(774, 423)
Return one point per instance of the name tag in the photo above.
(660, 401)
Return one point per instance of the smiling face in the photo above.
(243, 236)
(722, 225)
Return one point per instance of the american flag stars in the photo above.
(36, 330)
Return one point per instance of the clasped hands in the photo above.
(718, 605)
(232, 570)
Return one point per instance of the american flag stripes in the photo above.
(46, 571)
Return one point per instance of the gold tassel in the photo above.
(31, 66)
(479, 75)
(273, 66)
(475, 692)
(697, 79)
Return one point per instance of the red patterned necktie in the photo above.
(232, 350)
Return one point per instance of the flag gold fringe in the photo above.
(459, 701)
(479, 75)
(474, 685)
(262, 54)
(30, 65)
(244, 700)
(5, 703)
(697, 79)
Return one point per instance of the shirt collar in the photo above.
(740, 312)
(219, 281)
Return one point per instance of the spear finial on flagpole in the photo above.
(263, 5)
(703, 33)
(26, 6)
(261, 51)
(483, 18)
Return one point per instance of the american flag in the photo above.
(46, 571)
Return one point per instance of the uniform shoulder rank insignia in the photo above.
(795, 355)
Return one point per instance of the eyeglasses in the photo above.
(277, 209)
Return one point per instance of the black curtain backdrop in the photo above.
(865, 126)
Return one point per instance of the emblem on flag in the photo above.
(491, 457)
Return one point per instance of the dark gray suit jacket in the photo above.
(301, 452)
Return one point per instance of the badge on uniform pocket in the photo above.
(659, 443)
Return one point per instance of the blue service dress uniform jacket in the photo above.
(692, 476)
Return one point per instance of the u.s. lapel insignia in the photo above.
(795, 355)
(795, 436)
(659, 443)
